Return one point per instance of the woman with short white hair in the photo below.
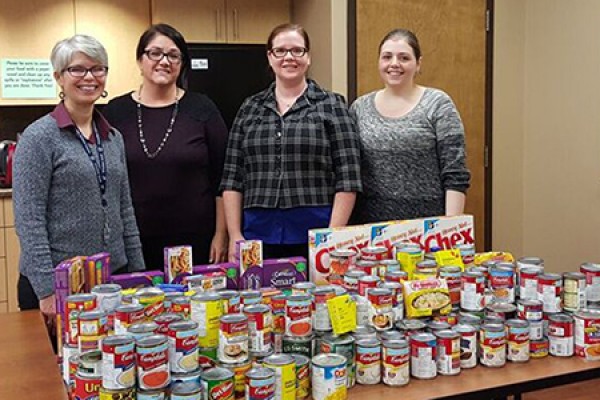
(71, 190)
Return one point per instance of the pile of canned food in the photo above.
(266, 344)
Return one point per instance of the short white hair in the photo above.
(64, 51)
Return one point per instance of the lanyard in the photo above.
(98, 162)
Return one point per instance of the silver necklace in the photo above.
(152, 155)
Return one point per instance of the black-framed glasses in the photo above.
(280, 52)
(78, 71)
(158, 55)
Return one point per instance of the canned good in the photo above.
(231, 301)
(574, 291)
(528, 283)
(395, 276)
(278, 304)
(299, 345)
(302, 376)
(340, 261)
(410, 327)
(561, 335)
(467, 253)
(587, 334)
(152, 299)
(217, 384)
(74, 305)
(329, 377)
(362, 309)
(395, 355)
(452, 275)
(87, 387)
(164, 320)
(531, 311)
(320, 312)
(592, 279)
(409, 253)
(206, 311)
(183, 346)
(397, 298)
(434, 326)
(142, 329)
(539, 348)
(92, 326)
(492, 345)
(468, 345)
(157, 394)
(517, 346)
(126, 315)
(118, 362)
(351, 278)
(233, 338)
(448, 352)
(284, 367)
(502, 282)
(368, 267)
(500, 309)
(298, 315)
(90, 363)
(260, 384)
(549, 292)
(303, 288)
(381, 315)
(181, 305)
(207, 357)
(373, 253)
(423, 354)
(260, 323)
(367, 283)
(239, 377)
(426, 269)
(343, 345)
(186, 391)
(368, 361)
(117, 394)
(472, 288)
(108, 296)
(153, 362)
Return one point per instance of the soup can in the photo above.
(343, 345)
(108, 296)
(231, 301)
(329, 377)
(502, 282)
(117, 394)
(181, 305)
(152, 299)
(517, 343)
(492, 345)
(320, 312)
(153, 362)
(373, 253)
(452, 275)
(183, 346)
(368, 361)
(302, 376)
(561, 335)
(472, 291)
(92, 326)
(539, 348)
(528, 283)
(531, 311)
(207, 357)
(278, 304)
(395, 356)
(574, 291)
(381, 314)
(118, 362)
(397, 298)
(299, 345)
(549, 292)
(369, 267)
(233, 339)
(260, 384)
(186, 391)
(87, 387)
(351, 279)
(426, 269)
(126, 315)
(340, 261)
(367, 283)
(260, 327)
(592, 279)
(284, 367)
(164, 320)
(74, 305)
(396, 276)
(448, 352)
(142, 329)
(217, 384)
(239, 377)
(587, 334)
(423, 354)
(298, 315)
(467, 253)
(531, 264)
(468, 345)
(303, 288)
(206, 310)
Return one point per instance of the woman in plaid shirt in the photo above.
(292, 160)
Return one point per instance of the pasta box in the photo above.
(97, 270)
(139, 279)
(249, 255)
(282, 273)
(177, 263)
(230, 270)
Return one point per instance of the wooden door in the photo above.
(452, 35)
(252, 21)
(198, 20)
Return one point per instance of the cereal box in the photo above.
(178, 263)
(250, 256)
(138, 279)
(97, 270)
(284, 272)
(230, 270)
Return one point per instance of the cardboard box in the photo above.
(230, 270)
(250, 257)
(284, 272)
(138, 279)
(97, 270)
(178, 263)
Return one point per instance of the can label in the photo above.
(368, 365)
(117, 394)
(302, 346)
(471, 292)
(285, 380)
(560, 336)
(259, 329)
(298, 318)
(118, 366)
(395, 366)
(492, 348)
(549, 291)
(329, 382)
(219, 389)
(502, 283)
(87, 387)
(448, 355)
(381, 314)
(207, 314)
(538, 348)
(183, 350)
(518, 344)
(233, 341)
(574, 294)
(153, 366)
(422, 358)
(528, 285)
(587, 337)
(278, 309)
(260, 389)
(302, 381)
(468, 350)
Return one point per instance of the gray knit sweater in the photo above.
(408, 163)
(57, 201)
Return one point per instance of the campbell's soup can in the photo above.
(502, 282)
(233, 339)
(587, 334)
(298, 315)
(492, 345)
(381, 314)
(302, 376)
(152, 299)
(531, 311)
(531, 264)
(592, 279)
(118, 362)
(183, 346)
(320, 311)
(367, 283)
(368, 361)
(549, 292)
(92, 326)
(260, 384)
(369, 267)
(396, 276)
(423, 354)
(260, 323)
(468, 345)
(574, 291)
(538, 348)
(472, 288)
(448, 352)
(87, 387)
(74, 305)
(528, 283)
(206, 310)
(561, 335)
(395, 356)
(517, 341)
(452, 275)
(153, 362)
(351, 278)
(126, 315)
(217, 384)
(164, 320)
(340, 261)
(284, 367)
(329, 377)
(397, 298)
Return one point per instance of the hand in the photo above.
(48, 310)
(232, 241)
(218, 248)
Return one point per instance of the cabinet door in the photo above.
(12, 268)
(198, 20)
(29, 29)
(117, 25)
(252, 21)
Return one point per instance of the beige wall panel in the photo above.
(252, 21)
(508, 114)
(12, 267)
(3, 278)
(3, 307)
(197, 20)
(339, 46)
(9, 215)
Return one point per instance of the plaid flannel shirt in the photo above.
(299, 159)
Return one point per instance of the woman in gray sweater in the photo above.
(71, 192)
(413, 141)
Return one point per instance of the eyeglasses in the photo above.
(78, 71)
(158, 55)
(279, 52)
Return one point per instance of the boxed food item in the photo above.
(426, 297)
(138, 279)
(69, 278)
(230, 270)
(178, 263)
(206, 282)
(282, 273)
(97, 270)
(250, 256)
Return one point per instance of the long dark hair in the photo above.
(177, 38)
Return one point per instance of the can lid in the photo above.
(260, 373)
(493, 327)
(117, 340)
(79, 297)
(531, 261)
(365, 263)
(368, 342)
(329, 360)
(167, 318)
(107, 288)
(150, 341)
(380, 292)
(206, 296)
(216, 373)
(390, 335)
(517, 323)
(395, 343)
(342, 253)
(590, 267)
(355, 273)
(574, 275)
(228, 294)
(149, 292)
(278, 359)
(129, 308)
(185, 388)
(90, 315)
(250, 294)
(447, 334)
(464, 328)
(423, 337)
(143, 327)
(300, 359)
(183, 325)
(257, 309)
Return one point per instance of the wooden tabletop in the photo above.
(27, 364)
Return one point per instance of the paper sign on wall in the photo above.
(27, 78)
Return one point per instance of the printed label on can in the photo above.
(395, 366)
(368, 365)
(329, 382)
(118, 365)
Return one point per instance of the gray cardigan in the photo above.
(57, 201)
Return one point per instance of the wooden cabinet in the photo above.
(222, 21)
(9, 257)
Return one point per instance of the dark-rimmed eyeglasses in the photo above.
(158, 55)
(78, 71)
(280, 52)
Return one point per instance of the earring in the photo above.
(104, 94)
(61, 95)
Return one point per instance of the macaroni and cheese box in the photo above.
(97, 270)
(250, 257)
(282, 273)
(139, 279)
(178, 263)
(230, 270)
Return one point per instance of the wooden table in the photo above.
(28, 368)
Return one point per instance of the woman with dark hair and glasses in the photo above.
(70, 190)
(175, 143)
(292, 159)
